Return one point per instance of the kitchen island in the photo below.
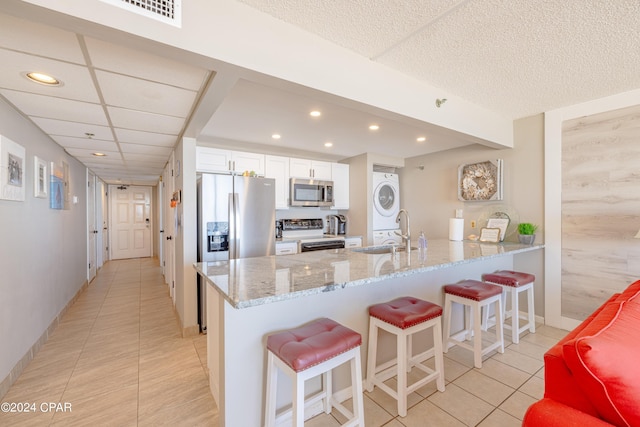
(249, 298)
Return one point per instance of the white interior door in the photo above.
(104, 223)
(169, 226)
(92, 248)
(100, 224)
(130, 221)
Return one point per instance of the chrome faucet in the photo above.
(406, 237)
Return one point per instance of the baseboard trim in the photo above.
(19, 367)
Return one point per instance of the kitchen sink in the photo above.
(376, 250)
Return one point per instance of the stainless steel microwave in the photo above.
(310, 192)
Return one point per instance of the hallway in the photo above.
(117, 358)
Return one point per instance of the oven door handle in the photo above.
(311, 246)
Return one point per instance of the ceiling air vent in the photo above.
(168, 11)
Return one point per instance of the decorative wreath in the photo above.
(479, 181)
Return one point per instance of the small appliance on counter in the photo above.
(337, 225)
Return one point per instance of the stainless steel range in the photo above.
(310, 234)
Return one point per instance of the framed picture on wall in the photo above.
(57, 193)
(480, 181)
(40, 178)
(12, 167)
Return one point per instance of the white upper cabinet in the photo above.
(212, 159)
(216, 160)
(277, 167)
(340, 178)
(304, 168)
(225, 161)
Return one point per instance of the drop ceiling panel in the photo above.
(86, 143)
(43, 40)
(113, 168)
(77, 83)
(143, 95)
(107, 56)
(152, 150)
(143, 160)
(145, 138)
(62, 109)
(144, 121)
(141, 172)
(63, 128)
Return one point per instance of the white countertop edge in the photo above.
(360, 282)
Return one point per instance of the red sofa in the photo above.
(592, 375)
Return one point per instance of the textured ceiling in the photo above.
(515, 57)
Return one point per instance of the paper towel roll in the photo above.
(456, 229)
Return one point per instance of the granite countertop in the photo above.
(250, 282)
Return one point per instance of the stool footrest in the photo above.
(325, 346)
(475, 297)
(404, 317)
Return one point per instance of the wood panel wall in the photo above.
(600, 208)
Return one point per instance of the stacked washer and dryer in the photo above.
(386, 205)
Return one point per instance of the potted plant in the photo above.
(527, 233)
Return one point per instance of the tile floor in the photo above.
(118, 358)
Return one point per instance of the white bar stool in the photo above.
(404, 317)
(306, 352)
(514, 282)
(474, 296)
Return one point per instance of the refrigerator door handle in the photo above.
(234, 222)
(232, 227)
(236, 212)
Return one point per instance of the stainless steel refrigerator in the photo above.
(236, 219)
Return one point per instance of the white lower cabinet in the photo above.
(353, 242)
(286, 248)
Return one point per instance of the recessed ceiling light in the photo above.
(315, 113)
(421, 139)
(99, 154)
(374, 127)
(328, 144)
(43, 79)
(276, 136)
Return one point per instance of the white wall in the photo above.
(430, 194)
(43, 252)
(186, 237)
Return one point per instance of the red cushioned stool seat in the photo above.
(313, 343)
(513, 283)
(405, 312)
(509, 278)
(474, 296)
(306, 352)
(404, 317)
